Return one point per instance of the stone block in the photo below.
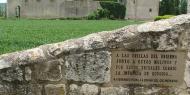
(74, 89)
(114, 91)
(159, 91)
(93, 67)
(35, 89)
(28, 73)
(17, 89)
(85, 89)
(11, 74)
(55, 89)
(50, 71)
(168, 41)
(187, 74)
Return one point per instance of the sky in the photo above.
(3, 1)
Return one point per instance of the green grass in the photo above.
(24, 34)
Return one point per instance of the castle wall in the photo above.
(188, 6)
(52, 8)
(11, 7)
(142, 9)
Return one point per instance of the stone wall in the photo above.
(188, 6)
(11, 7)
(82, 66)
(47, 9)
(142, 9)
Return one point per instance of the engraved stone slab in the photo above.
(148, 68)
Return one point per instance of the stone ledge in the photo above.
(106, 39)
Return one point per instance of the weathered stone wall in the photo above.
(82, 66)
(11, 7)
(142, 9)
(188, 6)
(52, 8)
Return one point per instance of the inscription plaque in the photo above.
(148, 68)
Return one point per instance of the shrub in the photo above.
(163, 17)
(99, 14)
(110, 10)
(117, 10)
(183, 7)
(172, 7)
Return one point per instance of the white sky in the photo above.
(3, 1)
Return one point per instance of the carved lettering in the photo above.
(148, 67)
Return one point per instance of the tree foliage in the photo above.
(173, 7)
(2, 9)
(183, 7)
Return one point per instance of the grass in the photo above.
(24, 34)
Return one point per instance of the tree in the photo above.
(183, 7)
(172, 7)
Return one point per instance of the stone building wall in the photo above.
(142, 9)
(52, 8)
(188, 6)
(83, 66)
(11, 7)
